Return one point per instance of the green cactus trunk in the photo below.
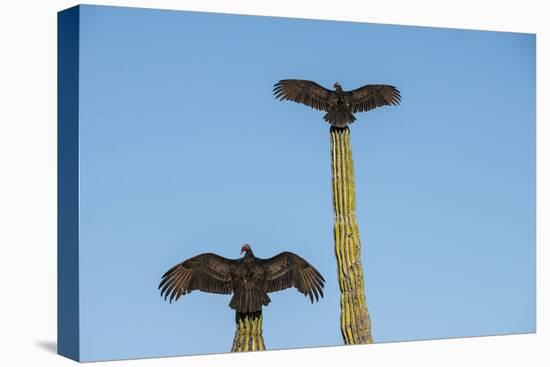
(355, 319)
(248, 336)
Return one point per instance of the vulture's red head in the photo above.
(246, 249)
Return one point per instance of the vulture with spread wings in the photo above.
(248, 278)
(339, 105)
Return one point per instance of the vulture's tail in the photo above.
(339, 117)
(249, 300)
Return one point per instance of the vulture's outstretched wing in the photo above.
(371, 96)
(305, 91)
(290, 270)
(206, 272)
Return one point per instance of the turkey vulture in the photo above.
(340, 105)
(248, 278)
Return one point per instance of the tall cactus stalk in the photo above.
(248, 336)
(355, 319)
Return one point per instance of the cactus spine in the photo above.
(355, 319)
(248, 336)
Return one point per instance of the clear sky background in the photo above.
(184, 150)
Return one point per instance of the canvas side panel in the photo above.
(67, 183)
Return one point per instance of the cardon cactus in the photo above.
(248, 336)
(355, 319)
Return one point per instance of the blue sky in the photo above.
(183, 150)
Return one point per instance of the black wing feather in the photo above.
(287, 270)
(206, 272)
(306, 92)
(371, 96)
